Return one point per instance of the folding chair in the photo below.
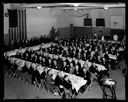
(109, 90)
(67, 94)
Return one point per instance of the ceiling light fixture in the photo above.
(105, 8)
(39, 7)
(76, 4)
(75, 9)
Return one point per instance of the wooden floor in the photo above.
(16, 89)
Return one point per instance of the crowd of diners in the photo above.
(11, 45)
(89, 49)
(66, 55)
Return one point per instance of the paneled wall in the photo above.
(89, 31)
(82, 31)
(64, 33)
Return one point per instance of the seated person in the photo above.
(54, 64)
(25, 68)
(93, 68)
(87, 76)
(84, 57)
(60, 62)
(32, 73)
(73, 61)
(43, 61)
(65, 53)
(76, 71)
(58, 80)
(21, 55)
(73, 54)
(40, 60)
(44, 73)
(27, 57)
(32, 57)
(71, 68)
(67, 62)
(37, 75)
(49, 82)
(67, 83)
(46, 61)
(99, 60)
(64, 68)
(50, 63)
(35, 59)
(79, 64)
(79, 56)
(86, 65)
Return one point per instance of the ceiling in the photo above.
(71, 5)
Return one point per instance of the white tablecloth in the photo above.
(11, 53)
(40, 69)
(121, 49)
(112, 56)
(77, 82)
(100, 67)
(109, 82)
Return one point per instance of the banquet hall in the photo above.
(64, 51)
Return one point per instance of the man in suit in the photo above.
(79, 63)
(46, 61)
(64, 68)
(54, 64)
(71, 68)
(76, 71)
(43, 61)
(93, 68)
(31, 72)
(50, 82)
(73, 61)
(60, 62)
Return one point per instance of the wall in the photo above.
(108, 30)
(102, 13)
(6, 22)
(64, 33)
(39, 22)
(63, 24)
(63, 19)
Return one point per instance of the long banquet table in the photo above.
(76, 81)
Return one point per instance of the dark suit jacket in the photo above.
(43, 75)
(58, 80)
(60, 64)
(25, 69)
(66, 84)
(92, 69)
(76, 72)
